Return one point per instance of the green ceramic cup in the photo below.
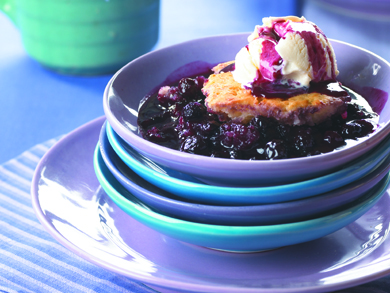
(85, 37)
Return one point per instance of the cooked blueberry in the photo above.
(266, 127)
(168, 96)
(283, 130)
(206, 128)
(333, 139)
(188, 87)
(275, 149)
(358, 112)
(238, 136)
(354, 112)
(194, 110)
(155, 135)
(303, 139)
(194, 145)
(234, 154)
(200, 80)
(357, 128)
(209, 127)
(176, 110)
(184, 128)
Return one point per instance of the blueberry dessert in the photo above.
(278, 99)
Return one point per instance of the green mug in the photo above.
(85, 37)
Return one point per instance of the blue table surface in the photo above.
(37, 104)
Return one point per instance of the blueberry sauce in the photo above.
(329, 87)
(176, 118)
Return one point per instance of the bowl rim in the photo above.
(156, 150)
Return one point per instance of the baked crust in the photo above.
(228, 99)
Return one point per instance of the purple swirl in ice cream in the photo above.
(284, 57)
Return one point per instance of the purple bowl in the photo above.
(266, 214)
(361, 70)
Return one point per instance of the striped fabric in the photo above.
(32, 261)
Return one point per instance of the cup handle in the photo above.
(8, 7)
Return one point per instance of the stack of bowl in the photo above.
(238, 205)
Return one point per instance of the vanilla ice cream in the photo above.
(283, 56)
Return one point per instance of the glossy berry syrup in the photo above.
(176, 118)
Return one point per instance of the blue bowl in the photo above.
(266, 214)
(187, 187)
(233, 238)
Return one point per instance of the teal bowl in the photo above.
(233, 238)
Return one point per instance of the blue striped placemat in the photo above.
(32, 261)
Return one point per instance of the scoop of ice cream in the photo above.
(283, 56)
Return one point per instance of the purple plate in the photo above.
(266, 214)
(64, 186)
(361, 70)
